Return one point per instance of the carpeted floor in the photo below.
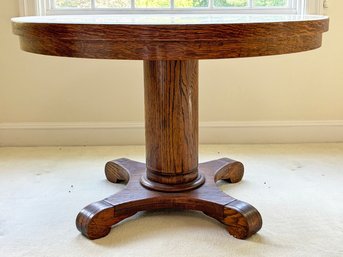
(297, 188)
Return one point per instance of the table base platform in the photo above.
(241, 219)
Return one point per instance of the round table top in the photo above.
(169, 36)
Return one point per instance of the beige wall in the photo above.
(303, 87)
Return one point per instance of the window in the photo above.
(168, 4)
(55, 7)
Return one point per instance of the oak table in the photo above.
(170, 46)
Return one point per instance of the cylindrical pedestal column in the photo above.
(171, 121)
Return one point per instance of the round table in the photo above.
(170, 45)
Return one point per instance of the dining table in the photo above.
(170, 46)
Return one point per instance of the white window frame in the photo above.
(43, 7)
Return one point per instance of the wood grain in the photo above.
(170, 42)
(241, 219)
(171, 120)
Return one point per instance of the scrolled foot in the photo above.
(229, 170)
(115, 171)
(242, 219)
(95, 220)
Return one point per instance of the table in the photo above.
(170, 46)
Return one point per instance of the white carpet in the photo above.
(297, 188)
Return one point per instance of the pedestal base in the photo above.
(242, 219)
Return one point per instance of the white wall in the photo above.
(53, 100)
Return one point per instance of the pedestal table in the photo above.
(170, 45)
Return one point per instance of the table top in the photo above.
(169, 36)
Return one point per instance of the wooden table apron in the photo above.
(170, 53)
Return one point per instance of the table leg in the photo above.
(171, 177)
(171, 125)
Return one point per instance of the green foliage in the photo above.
(244, 3)
(112, 3)
(73, 3)
(152, 3)
(270, 3)
(190, 3)
(230, 3)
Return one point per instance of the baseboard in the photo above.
(69, 134)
